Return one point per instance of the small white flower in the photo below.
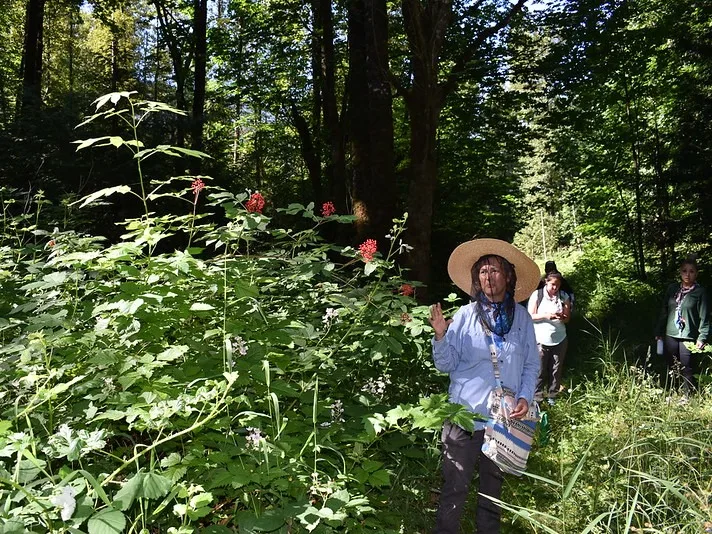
(240, 345)
(403, 247)
(66, 502)
(332, 314)
(377, 387)
(337, 411)
(254, 437)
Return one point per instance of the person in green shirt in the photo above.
(683, 318)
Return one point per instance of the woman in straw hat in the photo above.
(496, 275)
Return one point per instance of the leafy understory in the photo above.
(261, 379)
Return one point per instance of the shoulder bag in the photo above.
(507, 440)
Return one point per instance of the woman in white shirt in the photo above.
(550, 309)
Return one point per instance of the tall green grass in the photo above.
(625, 455)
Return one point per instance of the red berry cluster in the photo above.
(367, 249)
(328, 209)
(407, 290)
(256, 203)
(197, 186)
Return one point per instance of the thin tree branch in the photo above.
(462, 63)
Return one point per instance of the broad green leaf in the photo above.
(172, 353)
(125, 497)
(380, 478)
(338, 500)
(369, 268)
(29, 469)
(201, 499)
(245, 289)
(371, 466)
(113, 415)
(155, 486)
(396, 414)
(122, 189)
(107, 521)
(201, 306)
(13, 526)
(89, 142)
(269, 521)
(5, 427)
(172, 459)
(197, 513)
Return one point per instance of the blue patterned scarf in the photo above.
(497, 316)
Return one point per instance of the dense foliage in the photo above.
(242, 383)
(262, 379)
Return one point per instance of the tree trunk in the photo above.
(424, 107)
(634, 148)
(32, 57)
(70, 54)
(181, 65)
(371, 120)
(335, 170)
(309, 152)
(664, 230)
(426, 25)
(426, 28)
(312, 156)
(114, 61)
(157, 70)
(200, 22)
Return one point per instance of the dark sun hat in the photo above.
(459, 267)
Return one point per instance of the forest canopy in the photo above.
(556, 122)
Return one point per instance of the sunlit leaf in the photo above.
(201, 306)
(155, 486)
(122, 189)
(107, 521)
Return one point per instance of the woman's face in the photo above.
(552, 286)
(493, 281)
(688, 274)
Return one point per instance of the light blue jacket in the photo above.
(464, 353)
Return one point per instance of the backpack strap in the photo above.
(539, 298)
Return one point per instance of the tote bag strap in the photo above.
(493, 351)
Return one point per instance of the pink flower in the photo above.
(256, 203)
(407, 290)
(328, 209)
(367, 249)
(197, 186)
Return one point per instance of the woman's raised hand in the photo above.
(438, 321)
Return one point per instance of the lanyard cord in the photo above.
(493, 353)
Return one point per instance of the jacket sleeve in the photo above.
(661, 324)
(530, 370)
(703, 310)
(447, 351)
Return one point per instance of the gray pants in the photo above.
(462, 453)
(552, 367)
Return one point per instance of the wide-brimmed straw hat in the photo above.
(459, 267)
